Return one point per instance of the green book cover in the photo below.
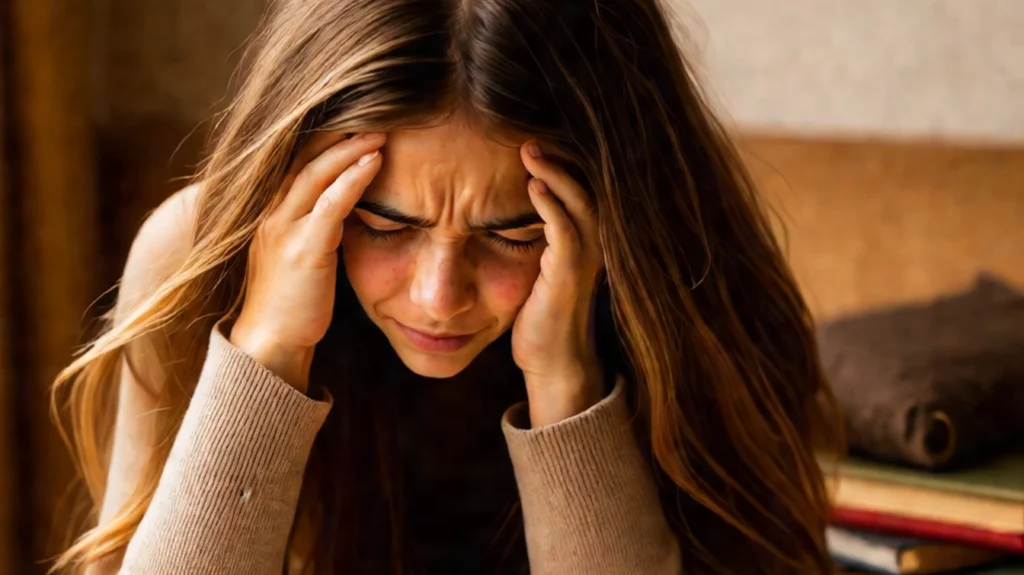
(999, 478)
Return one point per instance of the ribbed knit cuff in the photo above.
(226, 499)
(588, 496)
(272, 423)
(595, 447)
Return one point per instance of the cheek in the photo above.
(508, 284)
(375, 271)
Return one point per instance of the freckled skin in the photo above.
(448, 278)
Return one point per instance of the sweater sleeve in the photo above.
(590, 504)
(226, 499)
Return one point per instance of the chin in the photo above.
(434, 366)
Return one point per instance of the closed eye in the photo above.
(384, 231)
(383, 235)
(519, 240)
(526, 241)
(379, 229)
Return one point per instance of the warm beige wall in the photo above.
(894, 219)
(921, 68)
(872, 223)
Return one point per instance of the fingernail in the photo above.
(367, 158)
(534, 150)
(537, 186)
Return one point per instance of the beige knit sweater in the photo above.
(228, 494)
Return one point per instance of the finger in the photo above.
(317, 144)
(311, 181)
(559, 231)
(325, 223)
(575, 199)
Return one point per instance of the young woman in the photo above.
(465, 286)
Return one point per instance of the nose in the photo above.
(440, 286)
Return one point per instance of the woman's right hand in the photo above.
(293, 257)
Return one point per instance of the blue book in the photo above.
(898, 555)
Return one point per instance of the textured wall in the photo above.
(918, 68)
(872, 223)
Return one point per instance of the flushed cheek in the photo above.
(506, 286)
(375, 272)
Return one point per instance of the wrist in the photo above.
(290, 363)
(553, 398)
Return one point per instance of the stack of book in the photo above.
(936, 387)
(894, 519)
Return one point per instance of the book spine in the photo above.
(927, 529)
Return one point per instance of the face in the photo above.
(444, 247)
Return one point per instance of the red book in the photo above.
(927, 529)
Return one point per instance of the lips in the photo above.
(435, 342)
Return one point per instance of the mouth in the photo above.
(435, 342)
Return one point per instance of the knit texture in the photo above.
(588, 498)
(226, 500)
(228, 493)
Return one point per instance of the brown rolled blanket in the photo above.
(935, 384)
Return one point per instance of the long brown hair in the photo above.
(713, 334)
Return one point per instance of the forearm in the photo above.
(226, 500)
(590, 505)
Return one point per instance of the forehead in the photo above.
(450, 172)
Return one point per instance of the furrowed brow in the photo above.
(392, 214)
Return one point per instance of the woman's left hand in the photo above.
(552, 339)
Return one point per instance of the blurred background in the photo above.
(888, 137)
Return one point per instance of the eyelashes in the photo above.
(505, 244)
(383, 236)
(518, 246)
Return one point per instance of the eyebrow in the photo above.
(501, 224)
